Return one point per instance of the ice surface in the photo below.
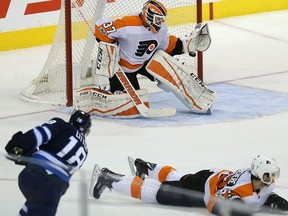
(246, 63)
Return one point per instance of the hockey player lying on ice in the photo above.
(138, 37)
(253, 186)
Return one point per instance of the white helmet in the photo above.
(262, 165)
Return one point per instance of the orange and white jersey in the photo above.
(136, 42)
(221, 183)
(235, 185)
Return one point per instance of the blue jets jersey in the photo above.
(58, 143)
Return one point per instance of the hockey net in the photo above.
(51, 84)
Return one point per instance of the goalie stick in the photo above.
(141, 107)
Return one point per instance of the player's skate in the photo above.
(142, 167)
(105, 180)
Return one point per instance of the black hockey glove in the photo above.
(274, 201)
(14, 145)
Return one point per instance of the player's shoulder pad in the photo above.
(56, 120)
(126, 21)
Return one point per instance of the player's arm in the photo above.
(175, 46)
(26, 143)
(275, 201)
(103, 31)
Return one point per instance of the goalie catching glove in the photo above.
(198, 40)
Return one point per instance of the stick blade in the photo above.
(161, 112)
(156, 112)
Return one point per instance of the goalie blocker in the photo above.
(186, 86)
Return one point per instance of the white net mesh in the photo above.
(50, 85)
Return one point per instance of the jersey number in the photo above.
(78, 158)
(109, 27)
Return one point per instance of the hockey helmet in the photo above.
(262, 165)
(153, 14)
(82, 121)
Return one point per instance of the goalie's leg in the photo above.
(186, 86)
(116, 85)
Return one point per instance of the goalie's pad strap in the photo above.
(107, 59)
(188, 88)
(103, 103)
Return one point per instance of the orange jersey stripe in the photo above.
(163, 173)
(136, 186)
(213, 185)
(172, 43)
(244, 190)
(102, 35)
(128, 65)
(102, 31)
(127, 21)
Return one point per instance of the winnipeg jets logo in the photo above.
(146, 47)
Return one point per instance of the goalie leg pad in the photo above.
(186, 86)
(103, 103)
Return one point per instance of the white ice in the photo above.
(248, 51)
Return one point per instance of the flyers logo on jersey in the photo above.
(146, 47)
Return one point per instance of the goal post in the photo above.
(68, 51)
(70, 64)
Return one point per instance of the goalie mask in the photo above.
(265, 166)
(153, 14)
(82, 121)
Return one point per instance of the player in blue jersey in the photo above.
(57, 149)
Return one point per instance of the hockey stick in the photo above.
(139, 104)
(141, 107)
(22, 160)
